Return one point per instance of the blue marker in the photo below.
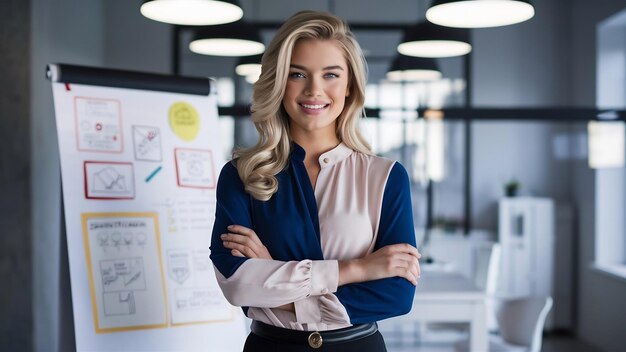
(156, 171)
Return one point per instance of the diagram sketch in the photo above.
(109, 180)
(125, 270)
(178, 265)
(147, 143)
(122, 274)
(119, 303)
(99, 124)
(194, 168)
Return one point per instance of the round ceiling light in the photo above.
(192, 12)
(249, 65)
(409, 68)
(232, 39)
(479, 13)
(430, 40)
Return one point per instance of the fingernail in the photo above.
(223, 236)
(230, 226)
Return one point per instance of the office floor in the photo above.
(551, 343)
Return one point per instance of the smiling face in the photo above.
(317, 86)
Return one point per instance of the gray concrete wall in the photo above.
(64, 31)
(526, 64)
(133, 42)
(15, 241)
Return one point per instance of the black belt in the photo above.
(314, 339)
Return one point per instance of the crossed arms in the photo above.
(379, 285)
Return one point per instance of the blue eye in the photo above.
(331, 75)
(296, 75)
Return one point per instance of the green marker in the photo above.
(153, 173)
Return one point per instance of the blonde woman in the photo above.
(313, 234)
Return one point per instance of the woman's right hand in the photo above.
(401, 260)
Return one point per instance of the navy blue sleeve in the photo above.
(233, 207)
(381, 299)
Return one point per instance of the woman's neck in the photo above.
(315, 144)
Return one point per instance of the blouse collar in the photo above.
(327, 159)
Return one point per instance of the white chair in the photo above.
(491, 285)
(521, 323)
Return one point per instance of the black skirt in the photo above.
(358, 338)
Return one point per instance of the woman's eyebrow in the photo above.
(328, 68)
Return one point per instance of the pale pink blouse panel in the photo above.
(349, 197)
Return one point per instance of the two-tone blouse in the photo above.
(360, 204)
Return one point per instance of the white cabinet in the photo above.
(531, 250)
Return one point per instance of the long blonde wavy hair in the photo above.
(258, 166)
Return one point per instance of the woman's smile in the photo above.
(313, 108)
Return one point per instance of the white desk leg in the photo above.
(479, 336)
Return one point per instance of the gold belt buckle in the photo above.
(315, 340)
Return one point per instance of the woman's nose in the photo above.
(313, 88)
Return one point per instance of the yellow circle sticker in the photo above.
(184, 121)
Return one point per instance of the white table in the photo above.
(450, 297)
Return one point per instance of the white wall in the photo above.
(602, 312)
(610, 182)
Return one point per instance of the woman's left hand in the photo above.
(244, 242)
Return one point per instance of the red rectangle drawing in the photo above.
(109, 180)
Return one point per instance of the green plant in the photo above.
(511, 188)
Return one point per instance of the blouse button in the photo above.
(326, 160)
(324, 291)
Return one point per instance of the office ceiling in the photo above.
(379, 45)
